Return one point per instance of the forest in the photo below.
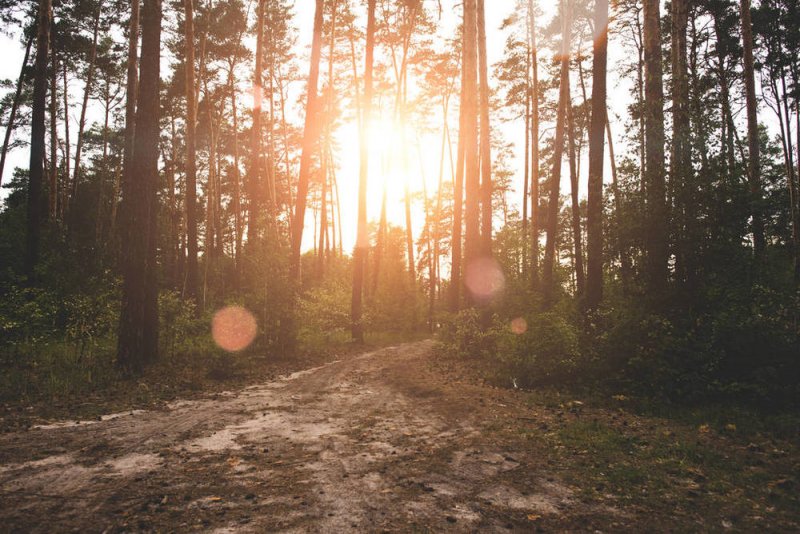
(541, 202)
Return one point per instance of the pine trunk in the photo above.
(192, 274)
(138, 329)
(36, 169)
(656, 224)
(599, 123)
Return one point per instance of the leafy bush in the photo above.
(462, 335)
(324, 314)
(546, 351)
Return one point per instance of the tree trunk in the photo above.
(192, 274)
(86, 90)
(656, 234)
(548, 278)
(754, 166)
(132, 90)
(138, 328)
(310, 137)
(534, 150)
(472, 244)
(14, 106)
(577, 232)
(237, 189)
(256, 173)
(53, 193)
(599, 122)
(458, 197)
(36, 168)
(485, 133)
(67, 145)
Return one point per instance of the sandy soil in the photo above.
(378, 442)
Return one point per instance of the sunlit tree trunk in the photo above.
(535, 223)
(15, 106)
(472, 177)
(192, 275)
(458, 198)
(548, 276)
(656, 223)
(256, 171)
(577, 232)
(754, 165)
(138, 328)
(599, 123)
(310, 138)
(37, 148)
(485, 136)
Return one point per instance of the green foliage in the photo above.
(324, 314)
(547, 351)
(463, 335)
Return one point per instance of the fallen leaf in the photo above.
(534, 517)
(704, 429)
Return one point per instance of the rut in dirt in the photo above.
(374, 442)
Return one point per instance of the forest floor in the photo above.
(392, 440)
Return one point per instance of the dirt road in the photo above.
(378, 442)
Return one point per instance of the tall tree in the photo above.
(680, 156)
(132, 90)
(485, 135)
(548, 278)
(656, 232)
(84, 107)
(310, 137)
(138, 327)
(599, 121)
(192, 275)
(472, 245)
(754, 165)
(256, 174)
(458, 197)
(535, 223)
(36, 168)
(362, 237)
(15, 106)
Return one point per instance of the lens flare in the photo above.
(519, 326)
(484, 279)
(233, 328)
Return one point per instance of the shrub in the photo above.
(546, 351)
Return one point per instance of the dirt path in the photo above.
(390, 441)
(376, 442)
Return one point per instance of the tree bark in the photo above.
(53, 190)
(138, 329)
(548, 278)
(36, 168)
(577, 232)
(534, 150)
(472, 245)
(754, 165)
(132, 90)
(656, 234)
(256, 174)
(192, 274)
(311, 133)
(485, 136)
(86, 91)
(14, 106)
(599, 122)
(458, 198)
